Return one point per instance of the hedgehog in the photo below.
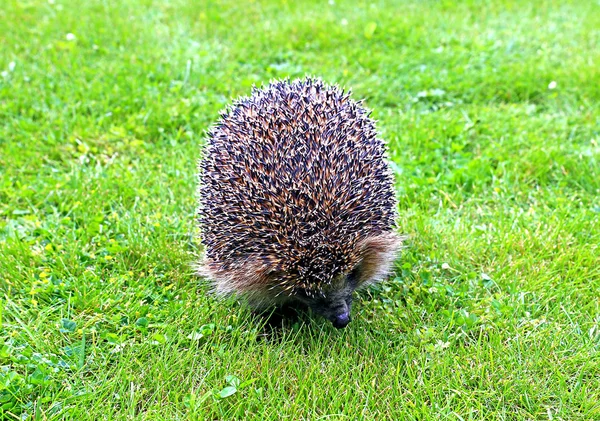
(297, 205)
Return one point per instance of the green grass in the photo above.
(491, 111)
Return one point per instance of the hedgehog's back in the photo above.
(292, 178)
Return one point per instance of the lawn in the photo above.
(491, 110)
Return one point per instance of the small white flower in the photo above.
(445, 266)
(71, 37)
(552, 85)
(344, 22)
(441, 345)
(11, 66)
(331, 2)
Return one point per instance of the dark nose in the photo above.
(341, 320)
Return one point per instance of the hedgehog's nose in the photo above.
(341, 320)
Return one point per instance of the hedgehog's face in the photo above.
(334, 302)
(335, 305)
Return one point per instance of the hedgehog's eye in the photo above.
(352, 277)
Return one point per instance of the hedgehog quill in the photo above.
(297, 206)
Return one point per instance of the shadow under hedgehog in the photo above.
(297, 205)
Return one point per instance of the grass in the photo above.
(491, 111)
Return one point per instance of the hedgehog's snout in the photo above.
(339, 314)
(335, 309)
(341, 320)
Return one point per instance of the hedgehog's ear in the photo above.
(377, 254)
